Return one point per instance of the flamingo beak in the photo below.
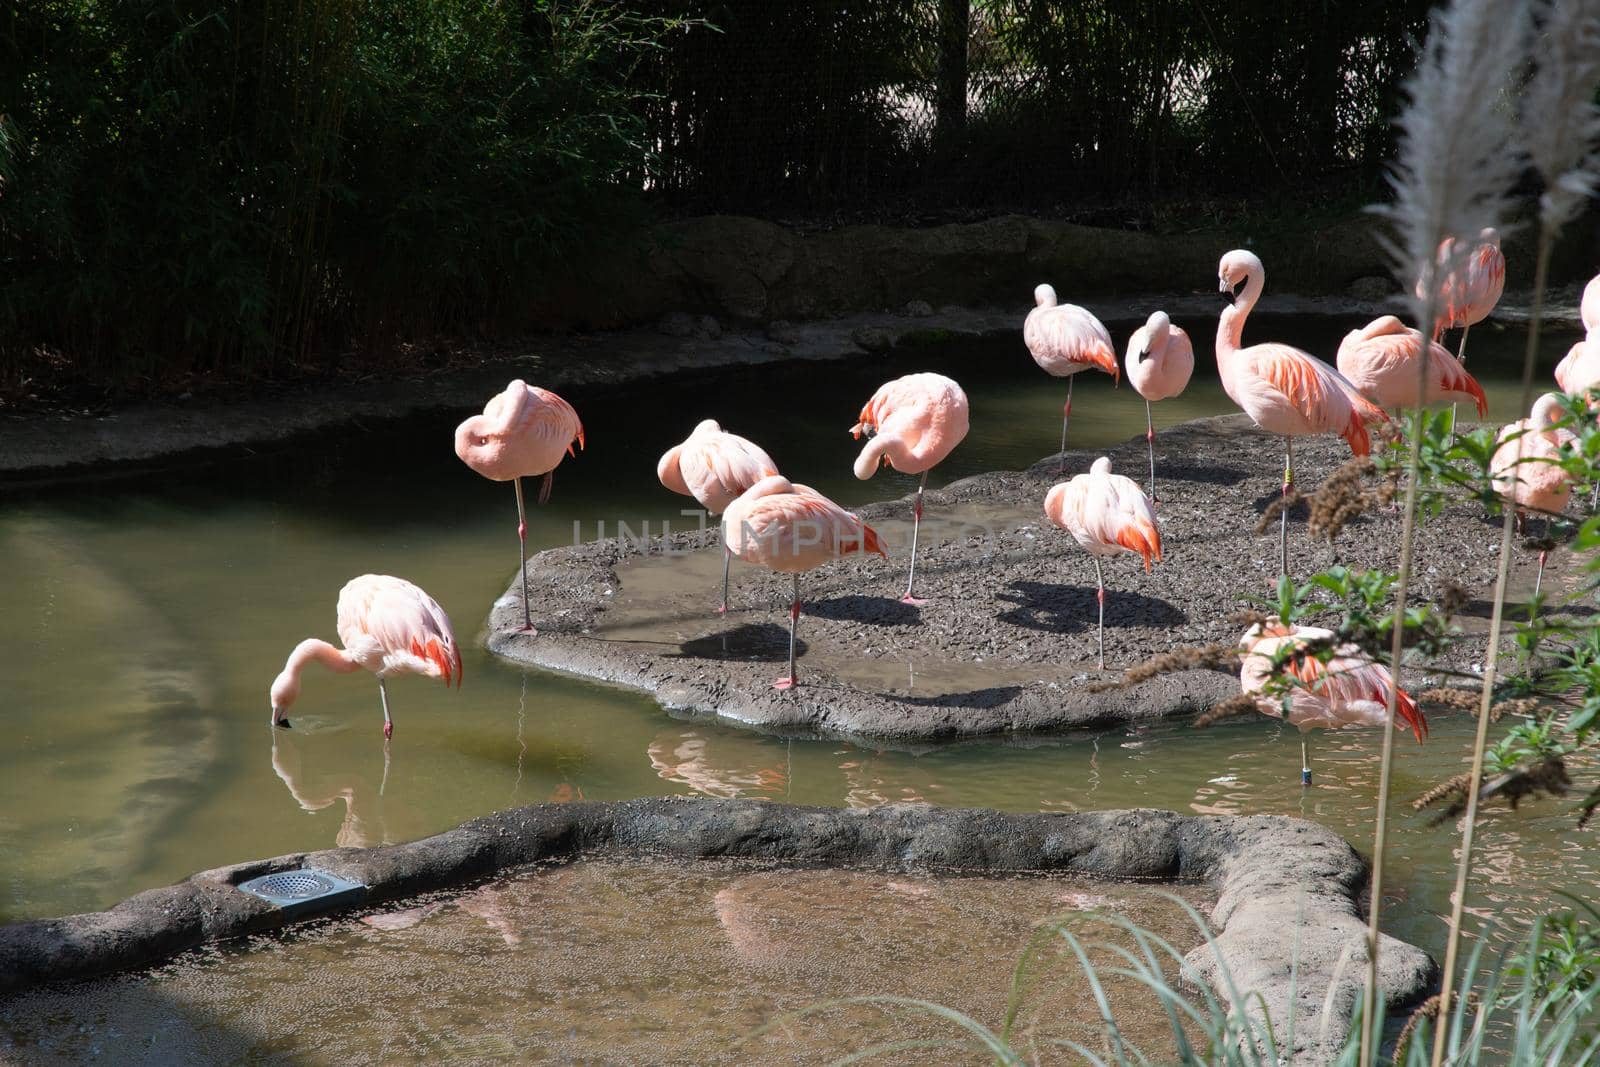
(278, 719)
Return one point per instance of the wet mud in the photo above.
(1007, 639)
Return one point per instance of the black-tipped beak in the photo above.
(1226, 292)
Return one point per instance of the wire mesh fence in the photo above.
(940, 106)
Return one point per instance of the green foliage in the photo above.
(206, 188)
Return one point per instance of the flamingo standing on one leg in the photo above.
(1347, 690)
(1106, 514)
(1526, 466)
(791, 528)
(1160, 360)
(388, 626)
(914, 423)
(1283, 390)
(1380, 360)
(1469, 290)
(715, 467)
(523, 431)
(1065, 339)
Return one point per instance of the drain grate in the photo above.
(301, 891)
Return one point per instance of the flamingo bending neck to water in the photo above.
(388, 626)
(524, 431)
(1284, 390)
(715, 467)
(914, 422)
(1349, 689)
(1065, 339)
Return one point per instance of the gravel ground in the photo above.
(1006, 641)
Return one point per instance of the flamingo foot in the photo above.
(283, 723)
(722, 610)
(529, 629)
(388, 730)
(913, 601)
(785, 683)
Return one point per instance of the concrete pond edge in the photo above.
(1289, 891)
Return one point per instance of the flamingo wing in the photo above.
(1325, 399)
(1065, 338)
(736, 462)
(406, 625)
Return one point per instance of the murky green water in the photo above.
(146, 617)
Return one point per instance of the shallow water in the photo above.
(148, 615)
(626, 962)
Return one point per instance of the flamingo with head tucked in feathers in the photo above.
(913, 423)
(1106, 514)
(388, 626)
(1470, 284)
(1065, 339)
(1284, 390)
(1280, 663)
(1380, 359)
(1526, 465)
(792, 528)
(524, 431)
(715, 467)
(1160, 361)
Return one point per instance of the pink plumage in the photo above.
(524, 431)
(1380, 359)
(792, 528)
(388, 626)
(1106, 514)
(1065, 339)
(1160, 361)
(1469, 291)
(914, 422)
(714, 466)
(1579, 369)
(1523, 467)
(1349, 689)
(1589, 308)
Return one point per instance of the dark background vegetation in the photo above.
(198, 191)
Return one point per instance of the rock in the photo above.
(918, 309)
(872, 338)
(1371, 288)
(676, 324)
(783, 331)
(707, 328)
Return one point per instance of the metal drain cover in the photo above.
(305, 890)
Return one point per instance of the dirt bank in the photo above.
(1006, 641)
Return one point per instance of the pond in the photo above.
(147, 615)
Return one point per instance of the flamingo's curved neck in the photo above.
(1230, 327)
(313, 650)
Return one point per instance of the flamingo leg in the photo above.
(1461, 357)
(1305, 762)
(1066, 417)
(916, 529)
(388, 723)
(794, 623)
(1100, 598)
(1150, 445)
(1283, 516)
(522, 554)
(727, 557)
(1538, 579)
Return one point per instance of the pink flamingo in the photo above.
(1106, 514)
(1065, 339)
(388, 626)
(1283, 390)
(791, 528)
(1347, 690)
(523, 431)
(1380, 360)
(1526, 466)
(1589, 308)
(1160, 360)
(1469, 291)
(715, 467)
(1579, 369)
(913, 423)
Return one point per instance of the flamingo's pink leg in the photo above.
(522, 554)
(1100, 598)
(916, 528)
(388, 723)
(727, 557)
(1150, 445)
(794, 623)
(1066, 416)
